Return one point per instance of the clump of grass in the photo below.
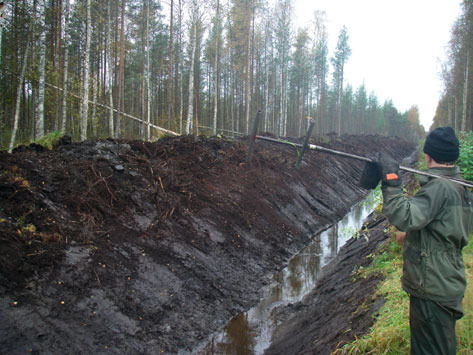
(50, 140)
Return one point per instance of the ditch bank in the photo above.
(133, 247)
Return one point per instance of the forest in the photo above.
(455, 106)
(143, 68)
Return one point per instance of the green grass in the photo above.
(49, 140)
(390, 332)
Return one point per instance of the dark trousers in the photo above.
(432, 326)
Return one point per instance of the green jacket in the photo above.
(438, 221)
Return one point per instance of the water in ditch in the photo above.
(250, 332)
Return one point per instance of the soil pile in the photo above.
(129, 247)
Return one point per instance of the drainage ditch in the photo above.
(250, 332)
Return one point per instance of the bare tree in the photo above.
(121, 83)
(84, 105)
(65, 63)
(18, 98)
(465, 91)
(39, 122)
(170, 79)
(193, 43)
(179, 68)
(217, 41)
(283, 37)
(147, 91)
(109, 85)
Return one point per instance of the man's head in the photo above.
(442, 145)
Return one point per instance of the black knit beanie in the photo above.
(442, 145)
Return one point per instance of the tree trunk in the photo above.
(340, 100)
(93, 120)
(217, 25)
(147, 91)
(169, 108)
(121, 83)
(39, 124)
(84, 105)
(3, 8)
(266, 94)
(190, 112)
(65, 67)
(18, 98)
(449, 114)
(180, 69)
(58, 62)
(465, 92)
(281, 104)
(109, 85)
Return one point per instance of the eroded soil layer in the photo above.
(129, 247)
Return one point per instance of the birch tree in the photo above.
(249, 21)
(65, 66)
(179, 67)
(147, 91)
(121, 77)
(109, 71)
(84, 104)
(196, 18)
(18, 98)
(216, 68)
(465, 91)
(170, 76)
(193, 44)
(39, 122)
(299, 77)
(320, 67)
(267, 63)
(283, 37)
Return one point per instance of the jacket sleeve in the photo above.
(413, 213)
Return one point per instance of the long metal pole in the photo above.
(357, 157)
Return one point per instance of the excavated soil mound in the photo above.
(129, 247)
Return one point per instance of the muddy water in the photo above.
(250, 332)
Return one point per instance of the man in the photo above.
(437, 222)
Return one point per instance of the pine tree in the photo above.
(342, 53)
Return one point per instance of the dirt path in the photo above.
(123, 247)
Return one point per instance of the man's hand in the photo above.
(388, 169)
(370, 177)
(400, 237)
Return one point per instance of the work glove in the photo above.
(370, 177)
(388, 170)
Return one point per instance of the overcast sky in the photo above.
(397, 46)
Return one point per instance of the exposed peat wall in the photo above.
(129, 247)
